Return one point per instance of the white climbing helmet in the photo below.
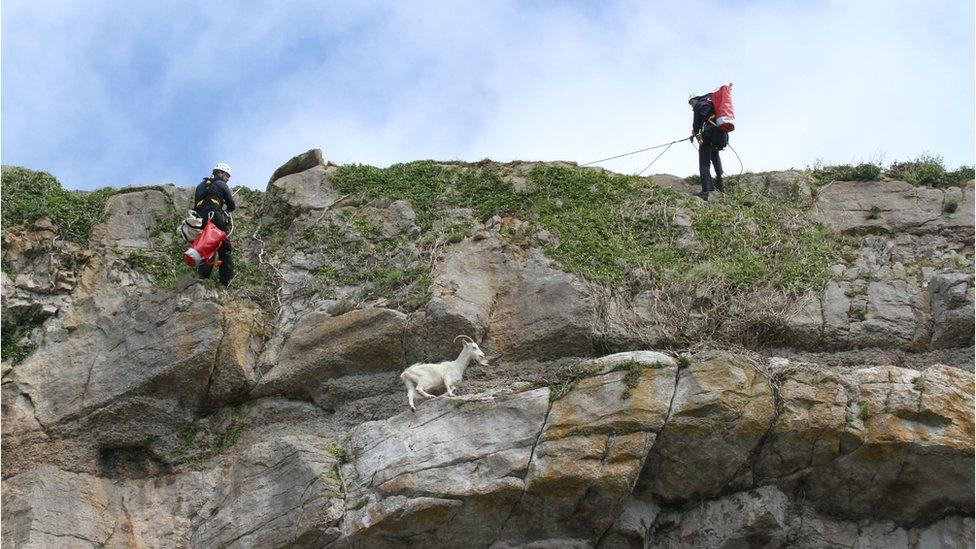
(223, 167)
(696, 95)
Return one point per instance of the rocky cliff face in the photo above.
(646, 388)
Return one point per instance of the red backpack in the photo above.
(724, 115)
(205, 246)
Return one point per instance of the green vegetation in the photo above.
(864, 412)
(16, 327)
(193, 448)
(163, 261)
(926, 170)
(683, 362)
(339, 452)
(756, 241)
(610, 226)
(631, 379)
(620, 231)
(867, 171)
(577, 432)
(950, 206)
(561, 387)
(919, 383)
(29, 195)
(419, 182)
(187, 451)
(233, 433)
(930, 171)
(365, 258)
(873, 212)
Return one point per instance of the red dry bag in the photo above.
(205, 246)
(724, 115)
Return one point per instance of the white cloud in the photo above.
(392, 82)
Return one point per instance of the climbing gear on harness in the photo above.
(223, 167)
(204, 248)
(191, 226)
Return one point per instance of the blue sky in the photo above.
(112, 93)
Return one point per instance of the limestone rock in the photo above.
(846, 207)
(765, 517)
(122, 378)
(323, 347)
(279, 493)
(530, 309)
(299, 163)
(182, 417)
(447, 474)
(790, 184)
(286, 490)
(133, 218)
(47, 507)
(584, 470)
(592, 448)
(951, 305)
(308, 190)
(721, 410)
(902, 451)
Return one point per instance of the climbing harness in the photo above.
(213, 199)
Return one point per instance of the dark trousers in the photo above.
(226, 269)
(709, 155)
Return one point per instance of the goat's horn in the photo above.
(463, 337)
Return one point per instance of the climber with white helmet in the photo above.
(710, 140)
(213, 200)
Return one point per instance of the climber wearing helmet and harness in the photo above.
(710, 140)
(209, 201)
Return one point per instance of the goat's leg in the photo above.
(424, 393)
(450, 391)
(410, 390)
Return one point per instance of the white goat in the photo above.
(423, 378)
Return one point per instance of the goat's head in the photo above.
(476, 353)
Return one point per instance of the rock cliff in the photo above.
(790, 365)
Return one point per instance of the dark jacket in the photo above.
(703, 124)
(213, 195)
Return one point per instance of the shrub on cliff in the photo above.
(866, 171)
(930, 171)
(29, 195)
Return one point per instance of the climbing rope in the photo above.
(640, 173)
(660, 154)
(741, 169)
(635, 152)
